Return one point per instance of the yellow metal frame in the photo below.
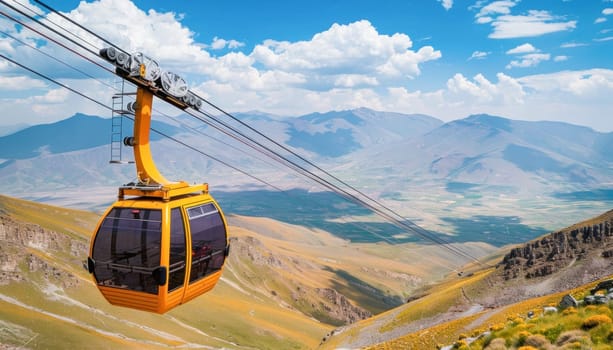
(151, 183)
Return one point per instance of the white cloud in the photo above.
(524, 48)
(607, 11)
(497, 8)
(560, 58)
(334, 62)
(591, 84)
(344, 67)
(484, 20)
(479, 55)
(608, 38)
(447, 4)
(572, 45)
(353, 81)
(536, 23)
(529, 56)
(159, 35)
(530, 60)
(16, 83)
(506, 25)
(356, 48)
(600, 20)
(578, 97)
(56, 103)
(219, 44)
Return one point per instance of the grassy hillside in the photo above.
(480, 299)
(586, 327)
(47, 300)
(283, 287)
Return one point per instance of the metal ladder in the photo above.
(118, 112)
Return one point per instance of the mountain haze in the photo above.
(452, 178)
(75, 133)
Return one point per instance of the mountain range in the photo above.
(454, 178)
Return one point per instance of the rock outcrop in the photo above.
(555, 251)
(27, 249)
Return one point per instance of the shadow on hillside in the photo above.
(321, 210)
(495, 230)
(328, 211)
(367, 296)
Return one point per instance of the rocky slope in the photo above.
(521, 275)
(21, 248)
(558, 261)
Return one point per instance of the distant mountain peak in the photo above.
(491, 121)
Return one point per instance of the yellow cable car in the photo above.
(161, 243)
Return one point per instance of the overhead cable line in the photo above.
(384, 213)
(55, 58)
(76, 23)
(31, 10)
(402, 222)
(48, 78)
(92, 77)
(49, 37)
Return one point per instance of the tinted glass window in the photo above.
(127, 249)
(208, 240)
(177, 250)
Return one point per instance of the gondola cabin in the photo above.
(162, 243)
(154, 254)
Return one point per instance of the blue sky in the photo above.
(529, 60)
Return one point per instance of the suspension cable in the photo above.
(48, 78)
(386, 213)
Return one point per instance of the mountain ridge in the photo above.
(414, 164)
(80, 131)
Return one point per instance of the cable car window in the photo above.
(208, 240)
(177, 250)
(127, 249)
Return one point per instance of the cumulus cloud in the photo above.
(353, 49)
(447, 4)
(343, 67)
(16, 83)
(530, 60)
(591, 84)
(535, 23)
(219, 44)
(524, 48)
(600, 20)
(506, 25)
(482, 91)
(160, 35)
(573, 96)
(607, 11)
(560, 58)
(572, 45)
(529, 56)
(496, 8)
(348, 57)
(479, 55)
